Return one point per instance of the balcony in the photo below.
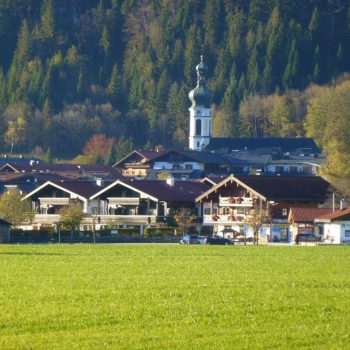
(223, 219)
(49, 219)
(236, 202)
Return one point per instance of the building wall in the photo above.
(4, 233)
(337, 232)
(170, 165)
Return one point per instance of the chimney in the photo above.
(99, 182)
(170, 181)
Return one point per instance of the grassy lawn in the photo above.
(174, 297)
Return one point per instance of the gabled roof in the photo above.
(225, 182)
(285, 188)
(143, 156)
(182, 191)
(81, 189)
(252, 143)
(337, 215)
(306, 215)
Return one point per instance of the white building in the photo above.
(334, 227)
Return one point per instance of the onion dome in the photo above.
(201, 95)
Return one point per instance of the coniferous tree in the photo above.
(115, 87)
(290, 76)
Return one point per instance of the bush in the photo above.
(18, 233)
(159, 231)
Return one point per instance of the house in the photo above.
(25, 183)
(52, 196)
(301, 220)
(226, 205)
(137, 163)
(141, 202)
(334, 227)
(4, 231)
(187, 164)
(121, 202)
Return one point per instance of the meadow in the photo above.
(174, 297)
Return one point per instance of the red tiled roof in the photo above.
(336, 215)
(307, 214)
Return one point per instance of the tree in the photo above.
(98, 148)
(123, 147)
(15, 210)
(328, 122)
(71, 217)
(115, 86)
(290, 76)
(254, 221)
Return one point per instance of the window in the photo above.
(188, 166)
(207, 211)
(284, 212)
(279, 170)
(198, 127)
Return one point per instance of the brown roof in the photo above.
(181, 191)
(185, 191)
(61, 167)
(306, 214)
(275, 188)
(336, 215)
(291, 188)
(138, 156)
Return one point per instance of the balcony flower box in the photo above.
(215, 217)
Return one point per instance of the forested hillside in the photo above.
(71, 69)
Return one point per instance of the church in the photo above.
(222, 156)
(200, 128)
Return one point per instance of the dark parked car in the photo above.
(219, 240)
(305, 237)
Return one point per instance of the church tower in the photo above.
(200, 111)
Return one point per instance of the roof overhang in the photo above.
(119, 182)
(49, 183)
(224, 182)
(10, 166)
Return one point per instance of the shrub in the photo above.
(159, 231)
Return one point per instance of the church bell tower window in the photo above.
(198, 127)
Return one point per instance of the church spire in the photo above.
(200, 110)
(201, 95)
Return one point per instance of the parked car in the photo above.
(193, 239)
(306, 237)
(219, 240)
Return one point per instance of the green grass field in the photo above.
(174, 297)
